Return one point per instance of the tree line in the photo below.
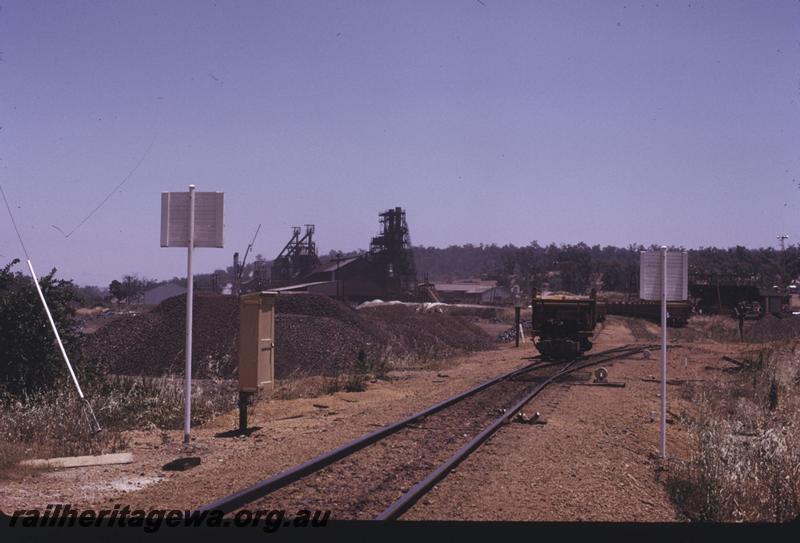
(580, 267)
(568, 267)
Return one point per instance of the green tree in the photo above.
(30, 360)
(115, 288)
(89, 296)
(130, 288)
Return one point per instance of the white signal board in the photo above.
(207, 219)
(650, 275)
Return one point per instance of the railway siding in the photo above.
(589, 450)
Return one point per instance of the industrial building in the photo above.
(156, 295)
(387, 270)
(472, 292)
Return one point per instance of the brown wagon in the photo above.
(563, 326)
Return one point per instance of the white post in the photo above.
(187, 394)
(663, 351)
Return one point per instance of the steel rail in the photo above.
(628, 347)
(243, 497)
(407, 500)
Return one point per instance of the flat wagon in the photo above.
(678, 313)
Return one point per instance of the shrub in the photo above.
(53, 423)
(30, 361)
(745, 465)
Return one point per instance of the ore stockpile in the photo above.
(315, 335)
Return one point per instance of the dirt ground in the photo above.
(593, 460)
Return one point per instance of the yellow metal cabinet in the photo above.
(257, 341)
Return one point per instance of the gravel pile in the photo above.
(511, 334)
(315, 335)
(153, 343)
(427, 334)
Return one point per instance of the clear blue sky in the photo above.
(489, 121)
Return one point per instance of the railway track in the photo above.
(639, 329)
(382, 474)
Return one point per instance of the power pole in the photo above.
(237, 276)
(782, 238)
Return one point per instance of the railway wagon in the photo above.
(563, 326)
(678, 313)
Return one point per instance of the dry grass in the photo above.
(55, 423)
(48, 425)
(746, 460)
(725, 329)
(357, 375)
(302, 387)
(353, 379)
(718, 328)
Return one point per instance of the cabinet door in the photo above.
(266, 343)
